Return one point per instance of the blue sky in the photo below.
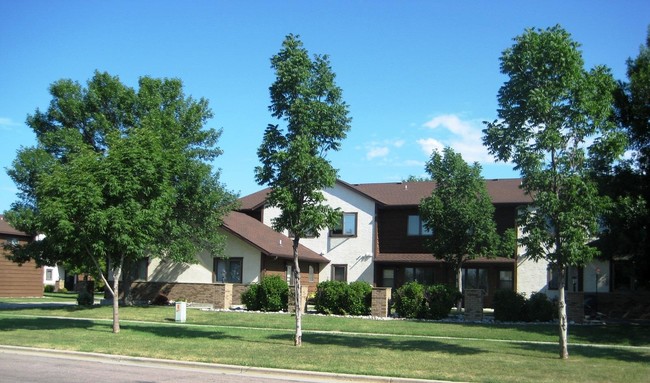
(417, 75)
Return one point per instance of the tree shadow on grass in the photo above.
(393, 343)
(14, 324)
(619, 354)
(179, 332)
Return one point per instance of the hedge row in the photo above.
(510, 306)
(336, 297)
(414, 300)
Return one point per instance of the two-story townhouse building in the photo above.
(380, 239)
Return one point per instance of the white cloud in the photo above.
(7, 123)
(381, 149)
(377, 152)
(464, 136)
(428, 145)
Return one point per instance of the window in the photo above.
(505, 280)
(553, 278)
(141, 269)
(340, 273)
(423, 275)
(388, 277)
(48, 274)
(311, 273)
(416, 227)
(228, 270)
(288, 276)
(475, 279)
(347, 227)
(572, 280)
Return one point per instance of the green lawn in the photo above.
(47, 298)
(428, 350)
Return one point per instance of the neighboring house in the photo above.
(52, 275)
(252, 250)
(17, 280)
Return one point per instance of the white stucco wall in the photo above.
(532, 276)
(355, 252)
(201, 272)
(57, 274)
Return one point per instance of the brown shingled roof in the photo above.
(6, 228)
(255, 200)
(411, 193)
(267, 240)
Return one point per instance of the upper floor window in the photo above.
(347, 227)
(416, 226)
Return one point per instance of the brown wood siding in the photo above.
(505, 217)
(17, 280)
(277, 266)
(392, 232)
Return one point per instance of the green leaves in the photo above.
(549, 109)
(293, 162)
(459, 211)
(121, 173)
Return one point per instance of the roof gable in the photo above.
(267, 240)
(7, 229)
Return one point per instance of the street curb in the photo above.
(213, 368)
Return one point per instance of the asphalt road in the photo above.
(46, 366)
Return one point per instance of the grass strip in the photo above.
(389, 348)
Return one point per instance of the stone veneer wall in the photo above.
(575, 307)
(225, 295)
(380, 302)
(473, 305)
(304, 292)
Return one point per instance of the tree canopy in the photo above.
(119, 175)
(460, 213)
(306, 98)
(555, 126)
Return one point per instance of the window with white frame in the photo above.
(347, 226)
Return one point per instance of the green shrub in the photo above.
(540, 308)
(330, 297)
(509, 306)
(250, 299)
(358, 298)
(48, 288)
(273, 293)
(410, 301)
(440, 299)
(85, 298)
(63, 290)
(160, 300)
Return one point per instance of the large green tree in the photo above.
(119, 175)
(460, 214)
(628, 222)
(294, 165)
(554, 125)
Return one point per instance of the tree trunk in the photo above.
(297, 294)
(564, 351)
(459, 286)
(116, 302)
